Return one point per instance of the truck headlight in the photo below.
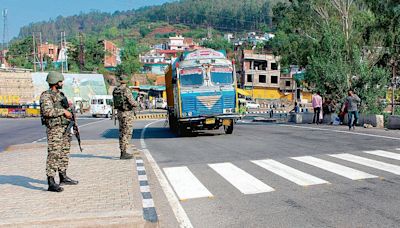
(227, 110)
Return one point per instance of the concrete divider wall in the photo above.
(374, 120)
(394, 122)
(299, 118)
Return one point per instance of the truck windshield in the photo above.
(222, 76)
(191, 77)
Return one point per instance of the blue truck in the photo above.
(201, 92)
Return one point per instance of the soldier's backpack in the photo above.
(120, 101)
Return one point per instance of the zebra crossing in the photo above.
(187, 186)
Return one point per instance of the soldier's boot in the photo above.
(53, 187)
(125, 156)
(65, 180)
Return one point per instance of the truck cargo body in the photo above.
(201, 92)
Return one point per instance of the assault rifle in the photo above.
(73, 123)
(114, 115)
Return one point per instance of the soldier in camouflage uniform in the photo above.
(124, 103)
(56, 117)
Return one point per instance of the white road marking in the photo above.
(36, 141)
(180, 214)
(369, 162)
(340, 131)
(341, 170)
(186, 185)
(144, 188)
(385, 154)
(289, 173)
(80, 126)
(148, 203)
(244, 182)
(142, 177)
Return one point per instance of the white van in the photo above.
(101, 105)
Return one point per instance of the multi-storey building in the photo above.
(112, 55)
(50, 50)
(261, 75)
(154, 62)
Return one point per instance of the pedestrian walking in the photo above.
(56, 116)
(125, 104)
(352, 101)
(316, 104)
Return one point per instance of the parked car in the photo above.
(252, 105)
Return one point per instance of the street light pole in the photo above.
(394, 82)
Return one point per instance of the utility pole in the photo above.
(209, 32)
(394, 83)
(41, 52)
(4, 44)
(81, 52)
(65, 53)
(34, 52)
(61, 52)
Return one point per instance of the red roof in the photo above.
(168, 51)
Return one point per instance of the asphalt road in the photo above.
(342, 202)
(28, 130)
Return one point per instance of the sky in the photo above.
(24, 12)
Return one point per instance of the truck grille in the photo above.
(207, 105)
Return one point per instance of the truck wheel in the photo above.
(172, 124)
(181, 131)
(229, 129)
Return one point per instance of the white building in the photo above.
(152, 56)
(228, 36)
(177, 43)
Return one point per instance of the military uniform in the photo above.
(124, 103)
(53, 105)
(59, 141)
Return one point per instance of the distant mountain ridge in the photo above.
(224, 15)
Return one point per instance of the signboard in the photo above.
(9, 99)
(3, 111)
(299, 76)
(75, 85)
(16, 111)
(205, 54)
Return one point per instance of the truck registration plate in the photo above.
(226, 122)
(210, 121)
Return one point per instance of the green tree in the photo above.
(20, 53)
(93, 52)
(218, 44)
(327, 38)
(49, 62)
(129, 58)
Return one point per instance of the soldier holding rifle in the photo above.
(56, 117)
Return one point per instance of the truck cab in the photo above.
(201, 92)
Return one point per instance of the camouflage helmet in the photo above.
(53, 77)
(123, 79)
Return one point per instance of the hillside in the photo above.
(222, 15)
